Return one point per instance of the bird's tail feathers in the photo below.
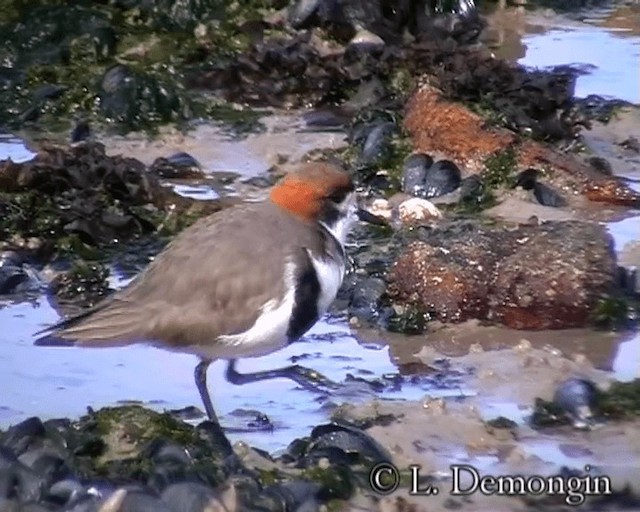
(114, 324)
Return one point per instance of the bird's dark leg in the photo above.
(305, 377)
(200, 376)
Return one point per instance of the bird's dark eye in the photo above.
(338, 196)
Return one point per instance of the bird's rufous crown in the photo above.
(303, 191)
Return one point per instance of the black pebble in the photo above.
(81, 131)
(189, 497)
(546, 196)
(527, 179)
(601, 165)
(577, 397)
(24, 435)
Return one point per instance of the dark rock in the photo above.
(137, 501)
(193, 497)
(349, 440)
(544, 194)
(414, 173)
(298, 496)
(577, 397)
(547, 196)
(632, 144)
(326, 119)
(23, 436)
(527, 179)
(368, 94)
(13, 277)
(187, 414)
(442, 177)
(47, 461)
(253, 420)
(78, 198)
(598, 108)
(83, 285)
(601, 165)
(472, 191)
(178, 166)
(160, 451)
(377, 143)
(301, 12)
(81, 132)
(48, 92)
(365, 298)
(533, 277)
(65, 491)
(25, 483)
(128, 97)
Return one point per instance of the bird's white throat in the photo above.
(347, 217)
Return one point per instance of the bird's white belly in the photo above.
(266, 335)
(269, 332)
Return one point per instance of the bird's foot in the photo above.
(305, 377)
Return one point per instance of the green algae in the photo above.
(408, 319)
(54, 56)
(500, 168)
(85, 283)
(612, 312)
(337, 481)
(124, 435)
(621, 400)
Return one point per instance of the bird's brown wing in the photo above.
(200, 287)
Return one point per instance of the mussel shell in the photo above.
(414, 174)
(577, 397)
(547, 196)
(442, 177)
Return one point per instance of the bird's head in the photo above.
(320, 192)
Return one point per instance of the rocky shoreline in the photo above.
(494, 217)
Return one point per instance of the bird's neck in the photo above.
(339, 228)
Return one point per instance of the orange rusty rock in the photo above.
(611, 192)
(535, 277)
(440, 126)
(437, 125)
(534, 320)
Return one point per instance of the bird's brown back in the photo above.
(210, 281)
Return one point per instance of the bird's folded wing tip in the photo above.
(51, 340)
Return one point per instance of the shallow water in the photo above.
(604, 42)
(54, 382)
(609, 55)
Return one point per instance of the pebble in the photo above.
(417, 209)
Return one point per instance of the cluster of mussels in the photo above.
(69, 208)
(133, 459)
(126, 65)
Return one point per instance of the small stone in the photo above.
(381, 208)
(417, 209)
(475, 348)
(366, 40)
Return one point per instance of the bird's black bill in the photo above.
(370, 218)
